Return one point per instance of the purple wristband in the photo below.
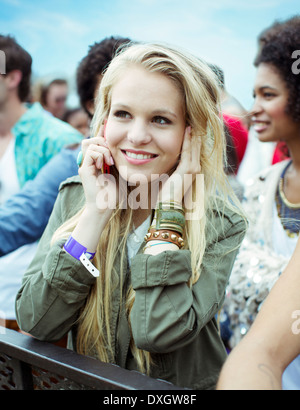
(76, 250)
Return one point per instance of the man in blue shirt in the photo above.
(29, 137)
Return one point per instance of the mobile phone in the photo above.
(105, 167)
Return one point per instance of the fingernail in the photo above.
(112, 161)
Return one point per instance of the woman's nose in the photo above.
(256, 107)
(139, 133)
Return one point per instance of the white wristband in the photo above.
(89, 266)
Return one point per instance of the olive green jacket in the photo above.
(174, 322)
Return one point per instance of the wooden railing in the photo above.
(29, 364)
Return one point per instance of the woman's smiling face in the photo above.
(269, 116)
(146, 124)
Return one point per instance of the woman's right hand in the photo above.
(100, 189)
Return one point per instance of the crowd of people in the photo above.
(140, 228)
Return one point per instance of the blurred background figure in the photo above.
(53, 97)
(236, 132)
(229, 104)
(260, 155)
(79, 119)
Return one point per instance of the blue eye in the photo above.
(122, 114)
(161, 120)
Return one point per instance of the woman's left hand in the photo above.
(180, 182)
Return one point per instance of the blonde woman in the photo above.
(133, 268)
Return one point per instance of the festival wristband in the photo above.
(75, 249)
(88, 265)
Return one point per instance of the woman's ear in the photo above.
(13, 79)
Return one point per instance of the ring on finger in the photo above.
(79, 159)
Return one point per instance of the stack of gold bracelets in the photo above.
(167, 226)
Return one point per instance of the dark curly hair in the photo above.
(93, 64)
(276, 45)
(17, 59)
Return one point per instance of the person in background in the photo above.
(234, 121)
(230, 106)
(89, 74)
(272, 198)
(261, 155)
(79, 119)
(29, 138)
(53, 97)
(281, 151)
(232, 163)
(152, 308)
(236, 140)
(273, 341)
(239, 137)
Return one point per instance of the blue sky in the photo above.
(57, 33)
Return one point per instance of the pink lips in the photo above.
(136, 157)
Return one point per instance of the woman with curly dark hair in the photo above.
(272, 199)
(289, 28)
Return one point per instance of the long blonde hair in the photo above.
(200, 92)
